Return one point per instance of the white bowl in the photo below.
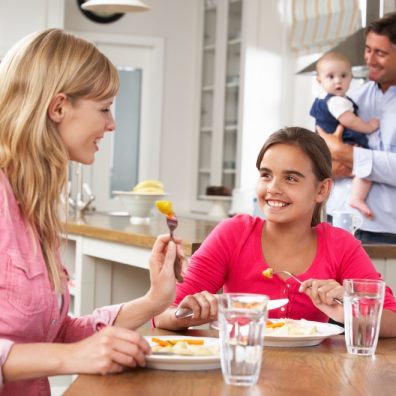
(138, 205)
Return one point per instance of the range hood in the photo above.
(353, 46)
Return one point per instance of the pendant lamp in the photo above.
(114, 6)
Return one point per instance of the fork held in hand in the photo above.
(172, 224)
(337, 300)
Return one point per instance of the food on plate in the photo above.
(290, 327)
(173, 342)
(268, 273)
(189, 347)
(165, 207)
(273, 325)
(149, 187)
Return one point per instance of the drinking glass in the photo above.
(242, 319)
(363, 303)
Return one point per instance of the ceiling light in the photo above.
(114, 6)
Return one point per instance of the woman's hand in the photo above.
(204, 306)
(162, 276)
(107, 351)
(162, 290)
(322, 293)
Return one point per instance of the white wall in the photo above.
(176, 22)
(273, 97)
(266, 102)
(21, 17)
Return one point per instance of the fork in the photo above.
(172, 224)
(291, 275)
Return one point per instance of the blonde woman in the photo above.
(56, 91)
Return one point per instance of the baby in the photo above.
(334, 74)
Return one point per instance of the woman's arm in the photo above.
(162, 285)
(112, 348)
(107, 351)
(206, 274)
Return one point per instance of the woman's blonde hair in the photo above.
(32, 154)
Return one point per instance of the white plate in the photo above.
(325, 330)
(273, 304)
(183, 363)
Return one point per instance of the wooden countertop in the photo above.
(326, 369)
(119, 229)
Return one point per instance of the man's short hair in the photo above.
(384, 26)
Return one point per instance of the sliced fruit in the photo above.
(165, 207)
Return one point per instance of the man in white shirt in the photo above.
(376, 99)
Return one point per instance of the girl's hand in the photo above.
(107, 351)
(162, 277)
(322, 293)
(204, 306)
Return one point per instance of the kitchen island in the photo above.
(107, 256)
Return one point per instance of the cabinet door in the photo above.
(218, 118)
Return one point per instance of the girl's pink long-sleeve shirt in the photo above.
(29, 308)
(232, 258)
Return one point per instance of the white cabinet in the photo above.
(239, 93)
(218, 129)
(104, 273)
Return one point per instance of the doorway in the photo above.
(132, 153)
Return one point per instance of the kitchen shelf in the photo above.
(231, 128)
(208, 88)
(219, 105)
(234, 41)
(210, 47)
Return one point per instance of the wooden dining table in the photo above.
(325, 369)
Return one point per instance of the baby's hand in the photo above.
(374, 124)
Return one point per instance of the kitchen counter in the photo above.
(109, 257)
(118, 229)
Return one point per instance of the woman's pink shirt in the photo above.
(29, 308)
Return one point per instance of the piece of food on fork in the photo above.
(166, 208)
(268, 273)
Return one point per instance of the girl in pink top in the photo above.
(294, 182)
(56, 91)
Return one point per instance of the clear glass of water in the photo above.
(242, 319)
(363, 303)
